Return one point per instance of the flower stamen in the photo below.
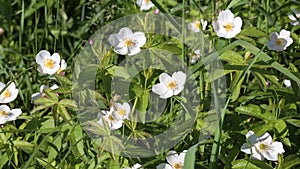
(49, 63)
(177, 166)
(129, 43)
(228, 27)
(3, 113)
(122, 112)
(6, 94)
(171, 84)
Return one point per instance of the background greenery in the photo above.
(50, 136)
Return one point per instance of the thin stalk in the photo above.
(216, 149)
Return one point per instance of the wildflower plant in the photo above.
(149, 84)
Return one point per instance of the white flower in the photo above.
(121, 111)
(196, 25)
(9, 94)
(262, 147)
(35, 96)
(175, 161)
(294, 18)
(280, 42)
(168, 85)
(48, 64)
(227, 26)
(63, 66)
(144, 4)
(127, 42)
(136, 166)
(196, 56)
(8, 115)
(108, 116)
(287, 83)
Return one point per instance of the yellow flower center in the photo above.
(262, 146)
(147, 1)
(111, 118)
(177, 166)
(3, 113)
(228, 27)
(279, 42)
(129, 43)
(122, 112)
(49, 63)
(197, 24)
(6, 94)
(172, 84)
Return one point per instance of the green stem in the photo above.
(216, 149)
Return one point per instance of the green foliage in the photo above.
(49, 133)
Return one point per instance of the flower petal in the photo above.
(125, 32)
(182, 156)
(42, 56)
(159, 89)
(134, 50)
(168, 94)
(251, 137)
(164, 78)
(172, 157)
(139, 39)
(265, 139)
(179, 77)
(226, 16)
(278, 147)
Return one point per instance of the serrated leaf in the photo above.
(63, 80)
(51, 95)
(68, 103)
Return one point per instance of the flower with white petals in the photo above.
(111, 120)
(121, 111)
(9, 94)
(168, 85)
(262, 147)
(280, 42)
(196, 56)
(127, 42)
(136, 166)
(175, 161)
(63, 66)
(48, 64)
(35, 96)
(294, 18)
(144, 4)
(287, 83)
(6, 114)
(227, 26)
(196, 25)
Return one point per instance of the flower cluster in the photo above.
(175, 161)
(115, 116)
(50, 64)
(262, 147)
(8, 94)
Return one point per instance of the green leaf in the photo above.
(61, 110)
(294, 122)
(290, 162)
(63, 80)
(255, 111)
(232, 57)
(68, 103)
(281, 128)
(253, 32)
(189, 160)
(51, 95)
(251, 164)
